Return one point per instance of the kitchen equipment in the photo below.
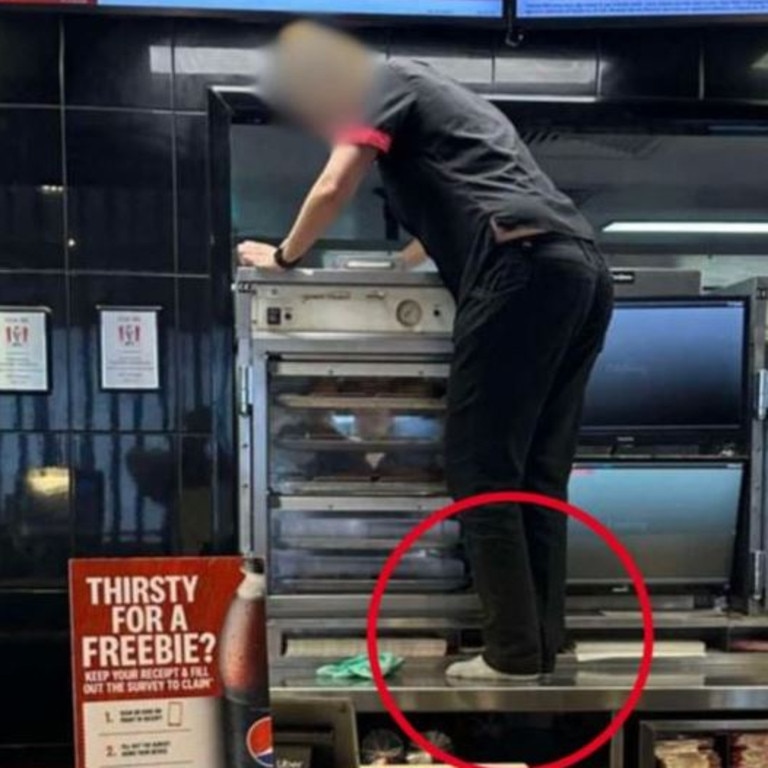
(342, 379)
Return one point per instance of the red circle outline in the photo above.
(518, 497)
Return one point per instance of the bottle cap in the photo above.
(253, 564)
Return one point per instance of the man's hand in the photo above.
(259, 255)
(412, 255)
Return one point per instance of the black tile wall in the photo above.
(29, 59)
(195, 527)
(96, 409)
(213, 53)
(120, 183)
(31, 189)
(195, 355)
(129, 488)
(36, 531)
(117, 62)
(192, 193)
(40, 411)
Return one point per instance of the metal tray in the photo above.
(343, 567)
(362, 446)
(340, 586)
(357, 545)
(361, 403)
(359, 487)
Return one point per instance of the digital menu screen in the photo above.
(460, 9)
(676, 365)
(615, 9)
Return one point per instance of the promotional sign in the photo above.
(130, 358)
(23, 349)
(169, 663)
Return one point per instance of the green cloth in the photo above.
(358, 667)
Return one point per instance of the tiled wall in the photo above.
(103, 201)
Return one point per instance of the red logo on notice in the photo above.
(17, 335)
(129, 335)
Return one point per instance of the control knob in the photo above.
(409, 313)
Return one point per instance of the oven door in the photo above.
(354, 461)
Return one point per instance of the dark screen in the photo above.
(672, 365)
(678, 520)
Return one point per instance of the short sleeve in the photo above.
(388, 104)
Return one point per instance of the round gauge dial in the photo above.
(409, 313)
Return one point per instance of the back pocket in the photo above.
(507, 270)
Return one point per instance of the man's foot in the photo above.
(479, 669)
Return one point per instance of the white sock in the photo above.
(479, 669)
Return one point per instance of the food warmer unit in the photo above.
(342, 383)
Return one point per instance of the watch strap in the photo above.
(281, 261)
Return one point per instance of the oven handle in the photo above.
(368, 369)
(376, 265)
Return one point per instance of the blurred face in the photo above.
(321, 77)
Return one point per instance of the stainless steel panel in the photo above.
(722, 682)
(757, 529)
(250, 280)
(373, 488)
(647, 283)
(361, 369)
(402, 504)
(354, 309)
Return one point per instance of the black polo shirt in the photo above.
(452, 164)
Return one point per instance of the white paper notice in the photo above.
(138, 733)
(23, 351)
(129, 349)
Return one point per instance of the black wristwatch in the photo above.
(282, 262)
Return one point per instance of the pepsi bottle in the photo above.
(243, 663)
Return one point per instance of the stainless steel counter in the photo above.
(735, 682)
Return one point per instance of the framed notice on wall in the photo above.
(24, 349)
(130, 355)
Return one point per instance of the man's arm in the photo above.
(336, 185)
(413, 254)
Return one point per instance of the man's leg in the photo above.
(502, 373)
(549, 466)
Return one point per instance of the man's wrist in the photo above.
(282, 262)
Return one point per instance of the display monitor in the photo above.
(459, 9)
(565, 10)
(679, 521)
(671, 365)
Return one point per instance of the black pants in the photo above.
(526, 338)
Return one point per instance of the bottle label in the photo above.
(249, 736)
(259, 742)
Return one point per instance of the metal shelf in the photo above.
(719, 682)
